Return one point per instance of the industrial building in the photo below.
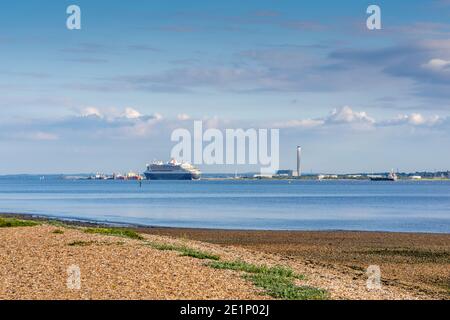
(293, 173)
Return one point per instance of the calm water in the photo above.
(280, 205)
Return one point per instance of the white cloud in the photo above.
(437, 65)
(91, 111)
(347, 115)
(141, 126)
(414, 119)
(129, 123)
(340, 116)
(131, 113)
(306, 123)
(418, 119)
(183, 117)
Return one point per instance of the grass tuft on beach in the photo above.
(284, 288)
(125, 233)
(58, 231)
(277, 281)
(259, 269)
(13, 222)
(188, 252)
(60, 224)
(185, 251)
(163, 246)
(80, 243)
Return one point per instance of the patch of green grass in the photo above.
(57, 223)
(58, 231)
(13, 222)
(258, 269)
(185, 251)
(89, 243)
(284, 288)
(188, 252)
(115, 232)
(277, 281)
(163, 246)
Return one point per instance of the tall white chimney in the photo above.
(299, 158)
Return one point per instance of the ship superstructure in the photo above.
(390, 177)
(172, 170)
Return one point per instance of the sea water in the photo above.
(406, 206)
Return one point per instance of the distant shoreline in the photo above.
(402, 177)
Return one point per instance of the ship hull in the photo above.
(171, 176)
(383, 179)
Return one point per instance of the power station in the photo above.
(293, 173)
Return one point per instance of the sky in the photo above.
(107, 97)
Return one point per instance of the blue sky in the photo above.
(108, 96)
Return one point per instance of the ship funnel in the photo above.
(299, 158)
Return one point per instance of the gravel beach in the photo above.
(419, 262)
(34, 263)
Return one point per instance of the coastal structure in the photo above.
(291, 173)
(299, 157)
(285, 173)
(172, 170)
(327, 176)
(115, 176)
